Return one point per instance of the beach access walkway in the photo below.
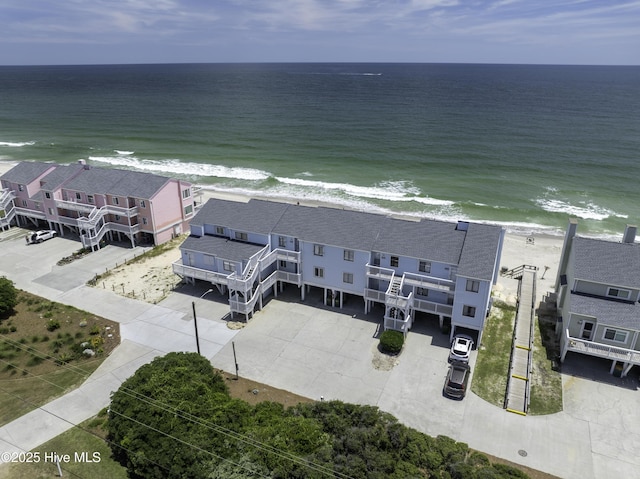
(518, 384)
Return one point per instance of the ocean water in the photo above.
(522, 146)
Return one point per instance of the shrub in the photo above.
(391, 342)
(53, 324)
(8, 297)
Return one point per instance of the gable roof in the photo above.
(474, 248)
(606, 262)
(117, 182)
(26, 171)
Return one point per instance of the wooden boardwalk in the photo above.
(518, 384)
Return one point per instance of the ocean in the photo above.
(523, 146)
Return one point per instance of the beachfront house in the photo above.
(252, 250)
(598, 294)
(96, 203)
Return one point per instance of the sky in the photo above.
(594, 32)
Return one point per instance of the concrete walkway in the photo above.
(315, 351)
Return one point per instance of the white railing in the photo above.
(429, 282)
(287, 277)
(432, 307)
(374, 295)
(30, 213)
(602, 350)
(396, 324)
(378, 272)
(198, 273)
(92, 240)
(245, 307)
(6, 196)
(75, 206)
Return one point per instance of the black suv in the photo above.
(455, 386)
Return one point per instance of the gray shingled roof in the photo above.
(117, 182)
(613, 313)
(431, 240)
(58, 176)
(26, 171)
(330, 226)
(256, 216)
(607, 262)
(221, 247)
(479, 251)
(474, 250)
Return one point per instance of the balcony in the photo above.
(197, 273)
(432, 307)
(377, 272)
(601, 350)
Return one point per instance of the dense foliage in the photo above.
(391, 341)
(175, 419)
(8, 297)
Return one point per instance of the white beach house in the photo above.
(251, 250)
(598, 294)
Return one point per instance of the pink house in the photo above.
(96, 203)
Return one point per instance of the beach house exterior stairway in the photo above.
(7, 209)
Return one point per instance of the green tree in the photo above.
(8, 297)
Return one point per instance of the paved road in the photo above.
(314, 351)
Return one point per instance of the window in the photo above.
(241, 236)
(348, 255)
(209, 259)
(318, 250)
(50, 211)
(283, 264)
(282, 241)
(188, 210)
(90, 198)
(318, 272)
(347, 278)
(24, 203)
(424, 267)
(615, 335)
(143, 204)
(618, 293)
(115, 200)
(473, 285)
(186, 193)
(117, 217)
(20, 187)
(47, 195)
(144, 221)
(220, 230)
(79, 196)
(394, 261)
(422, 292)
(469, 311)
(227, 265)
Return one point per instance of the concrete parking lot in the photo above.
(317, 352)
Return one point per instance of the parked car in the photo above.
(40, 236)
(461, 348)
(455, 385)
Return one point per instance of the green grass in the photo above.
(76, 440)
(546, 385)
(492, 366)
(23, 394)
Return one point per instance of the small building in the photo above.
(251, 250)
(96, 202)
(598, 294)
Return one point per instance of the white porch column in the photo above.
(613, 366)
(627, 368)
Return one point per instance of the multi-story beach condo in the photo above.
(96, 202)
(251, 250)
(598, 294)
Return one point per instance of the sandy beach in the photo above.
(152, 279)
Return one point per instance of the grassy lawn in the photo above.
(492, 366)
(41, 352)
(88, 437)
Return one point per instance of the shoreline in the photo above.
(536, 249)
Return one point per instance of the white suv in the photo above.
(40, 236)
(461, 348)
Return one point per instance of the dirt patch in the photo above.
(148, 277)
(382, 361)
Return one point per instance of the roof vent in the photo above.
(629, 235)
